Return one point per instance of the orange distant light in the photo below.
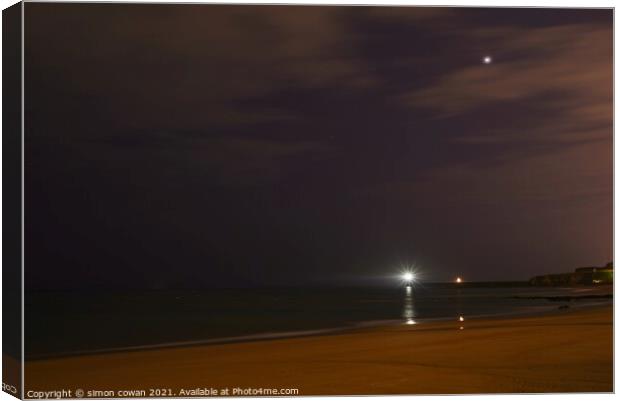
(458, 280)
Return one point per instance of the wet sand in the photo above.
(568, 351)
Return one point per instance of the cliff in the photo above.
(581, 276)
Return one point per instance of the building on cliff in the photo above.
(581, 276)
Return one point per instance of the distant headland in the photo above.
(581, 276)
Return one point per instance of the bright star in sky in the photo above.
(487, 59)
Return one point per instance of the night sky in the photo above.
(175, 146)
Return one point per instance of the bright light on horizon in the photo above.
(409, 274)
(459, 280)
(408, 277)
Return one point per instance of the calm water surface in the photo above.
(64, 323)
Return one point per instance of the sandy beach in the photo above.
(568, 351)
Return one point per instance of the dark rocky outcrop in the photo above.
(581, 276)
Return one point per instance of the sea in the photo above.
(72, 323)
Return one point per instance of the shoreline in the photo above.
(370, 324)
(543, 353)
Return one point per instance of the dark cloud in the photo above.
(569, 62)
(191, 65)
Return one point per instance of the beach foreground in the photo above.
(570, 351)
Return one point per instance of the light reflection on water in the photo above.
(408, 309)
(409, 312)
